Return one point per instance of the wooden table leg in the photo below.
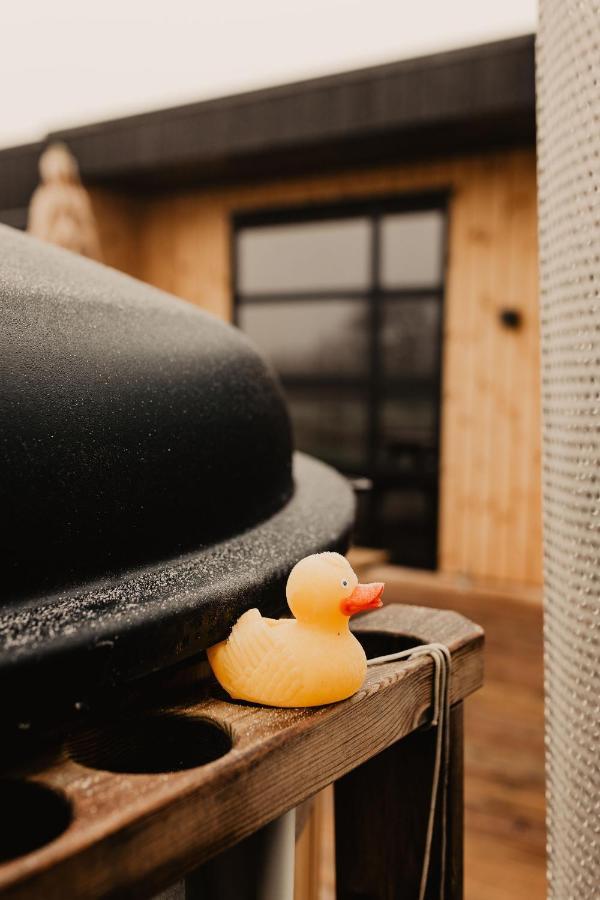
(455, 828)
(381, 814)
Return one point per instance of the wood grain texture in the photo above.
(117, 218)
(490, 522)
(490, 501)
(455, 820)
(315, 857)
(135, 834)
(363, 558)
(309, 875)
(184, 248)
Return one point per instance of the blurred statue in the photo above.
(60, 210)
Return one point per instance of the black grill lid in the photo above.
(146, 479)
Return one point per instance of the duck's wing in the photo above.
(255, 663)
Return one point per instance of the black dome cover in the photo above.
(134, 425)
(146, 472)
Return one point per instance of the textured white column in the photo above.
(568, 86)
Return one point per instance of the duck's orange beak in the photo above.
(363, 597)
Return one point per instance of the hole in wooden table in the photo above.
(380, 643)
(34, 815)
(151, 744)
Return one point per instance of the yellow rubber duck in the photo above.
(306, 661)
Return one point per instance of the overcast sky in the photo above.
(67, 62)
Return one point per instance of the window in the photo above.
(309, 256)
(346, 303)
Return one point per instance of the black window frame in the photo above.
(376, 387)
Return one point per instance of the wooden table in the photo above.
(137, 826)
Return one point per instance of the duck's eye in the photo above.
(344, 582)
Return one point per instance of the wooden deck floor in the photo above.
(504, 740)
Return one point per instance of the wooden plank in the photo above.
(135, 834)
(309, 874)
(449, 590)
(455, 826)
(117, 217)
(482, 512)
(363, 558)
(461, 426)
(157, 249)
(490, 503)
(315, 857)
(526, 499)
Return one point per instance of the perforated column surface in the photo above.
(568, 86)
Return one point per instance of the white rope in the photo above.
(440, 719)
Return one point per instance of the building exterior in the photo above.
(375, 233)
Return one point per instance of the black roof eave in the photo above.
(463, 100)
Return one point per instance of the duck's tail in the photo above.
(252, 664)
(234, 660)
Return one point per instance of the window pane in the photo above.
(412, 249)
(404, 507)
(306, 256)
(407, 524)
(410, 337)
(331, 425)
(401, 519)
(310, 337)
(408, 427)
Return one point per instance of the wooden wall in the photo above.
(118, 219)
(490, 521)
